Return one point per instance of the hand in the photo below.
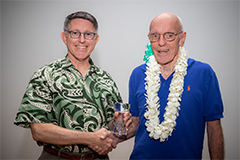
(101, 143)
(115, 139)
(126, 118)
(109, 134)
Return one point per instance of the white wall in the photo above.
(30, 38)
(0, 84)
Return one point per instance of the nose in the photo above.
(81, 39)
(161, 41)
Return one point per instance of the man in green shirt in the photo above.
(69, 103)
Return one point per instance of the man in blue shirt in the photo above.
(172, 98)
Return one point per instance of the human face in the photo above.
(79, 50)
(166, 52)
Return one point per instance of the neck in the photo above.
(83, 68)
(168, 68)
(81, 65)
(166, 71)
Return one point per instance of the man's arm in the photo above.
(215, 139)
(53, 134)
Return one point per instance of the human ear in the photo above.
(64, 38)
(97, 38)
(182, 40)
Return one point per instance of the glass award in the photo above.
(119, 126)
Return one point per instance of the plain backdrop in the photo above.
(30, 38)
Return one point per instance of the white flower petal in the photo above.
(152, 85)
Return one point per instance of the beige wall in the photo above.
(30, 38)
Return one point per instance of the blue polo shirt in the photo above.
(201, 102)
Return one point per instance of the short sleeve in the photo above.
(132, 94)
(212, 99)
(36, 105)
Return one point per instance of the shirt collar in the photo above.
(190, 62)
(92, 69)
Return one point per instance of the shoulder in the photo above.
(200, 72)
(99, 71)
(102, 76)
(139, 69)
(138, 73)
(48, 69)
(200, 67)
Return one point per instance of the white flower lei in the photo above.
(164, 130)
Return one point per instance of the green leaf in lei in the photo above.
(148, 53)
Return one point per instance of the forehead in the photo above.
(81, 24)
(164, 24)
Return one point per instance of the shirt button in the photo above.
(83, 83)
(85, 99)
(85, 114)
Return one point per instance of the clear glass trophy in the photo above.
(119, 128)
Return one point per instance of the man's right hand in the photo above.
(102, 143)
(99, 141)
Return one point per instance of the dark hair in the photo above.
(82, 15)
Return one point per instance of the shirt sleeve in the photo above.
(212, 99)
(132, 95)
(36, 105)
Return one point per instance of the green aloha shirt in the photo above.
(58, 93)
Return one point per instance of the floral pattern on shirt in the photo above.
(58, 93)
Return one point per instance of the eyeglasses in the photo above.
(77, 34)
(168, 36)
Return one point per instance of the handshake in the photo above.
(104, 140)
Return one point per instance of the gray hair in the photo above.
(82, 15)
